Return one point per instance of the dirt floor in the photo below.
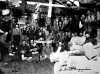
(44, 67)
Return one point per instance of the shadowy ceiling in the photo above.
(43, 1)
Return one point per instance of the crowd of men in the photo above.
(25, 34)
(62, 29)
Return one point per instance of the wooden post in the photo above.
(50, 9)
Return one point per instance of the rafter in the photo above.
(50, 5)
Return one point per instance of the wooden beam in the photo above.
(44, 4)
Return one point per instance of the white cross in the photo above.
(50, 5)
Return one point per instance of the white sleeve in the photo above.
(54, 57)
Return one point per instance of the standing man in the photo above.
(5, 26)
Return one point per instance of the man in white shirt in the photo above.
(76, 43)
(61, 59)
